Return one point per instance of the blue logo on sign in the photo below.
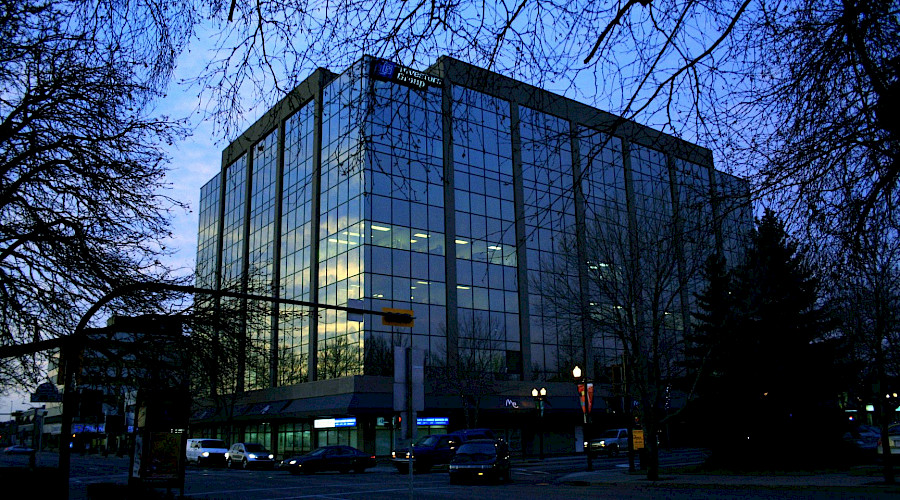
(385, 69)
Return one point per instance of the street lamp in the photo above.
(540, 397)
(581, 384)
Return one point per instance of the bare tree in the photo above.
(798, 93)
(766, 84)
(867, 294)
(81, 162)
(630, 304)
(230, 345)
(824, 102)
(340, 358)
(480, 363)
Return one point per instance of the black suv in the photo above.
(436, 449)
(481, 459)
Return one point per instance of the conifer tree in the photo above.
(763, 371)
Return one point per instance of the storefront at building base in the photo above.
(358, 411)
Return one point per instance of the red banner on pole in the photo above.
(588, 393)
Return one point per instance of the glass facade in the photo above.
(405, 242)
(464, 203)
(296, 245)
(549, 201)
(233, 277)
(341, 216)
(208, 235)
(485, 240)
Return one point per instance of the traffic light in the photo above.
(397, 317)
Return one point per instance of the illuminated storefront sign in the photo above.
(393, 72)
(433, 421)
(91, 428)
(330, 423)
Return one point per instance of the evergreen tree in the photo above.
(763, 376)
(713, 320)
(780, 316)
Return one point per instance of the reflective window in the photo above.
(485, 226)
(296, 241)
(550, 235)
(340, 259)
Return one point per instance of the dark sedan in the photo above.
(481, 459)
(330, 458)
(18, 450)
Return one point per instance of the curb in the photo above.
(728, 483)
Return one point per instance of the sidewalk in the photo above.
(856, 479)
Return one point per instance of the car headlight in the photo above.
(602, 443)
(292, 462)
(205, 454)
(227, 454)
(585, 444)
(252, 455)
(271, 457)
(393, 454)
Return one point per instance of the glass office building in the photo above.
(462, 195)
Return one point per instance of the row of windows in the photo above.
(342, 207)
(404, 198)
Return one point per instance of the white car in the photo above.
(609, 442)
(894, 437)
(247, 455)
(206, 451)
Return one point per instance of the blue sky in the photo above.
(196, 159)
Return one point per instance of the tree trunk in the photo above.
(651, 449)
(885, 413)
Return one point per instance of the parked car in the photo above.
(18, 449)
(248, 455)
(486, 459)
(610, 442)
(337, 458)
(894, 437)
(861, 438)
(436, 449)
(206, 451)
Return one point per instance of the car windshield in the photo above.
(251, 447)
(212, 443)
(609, 434)
(427, 441)
(476, 449)
(316, 452)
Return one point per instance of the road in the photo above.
(531, 479)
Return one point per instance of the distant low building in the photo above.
(117, 361)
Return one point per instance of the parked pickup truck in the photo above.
(609, 442)
(436, 449)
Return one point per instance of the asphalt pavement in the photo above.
(859, 479)
(855, 479)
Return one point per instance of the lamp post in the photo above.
(539, 397)
(581, 384)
